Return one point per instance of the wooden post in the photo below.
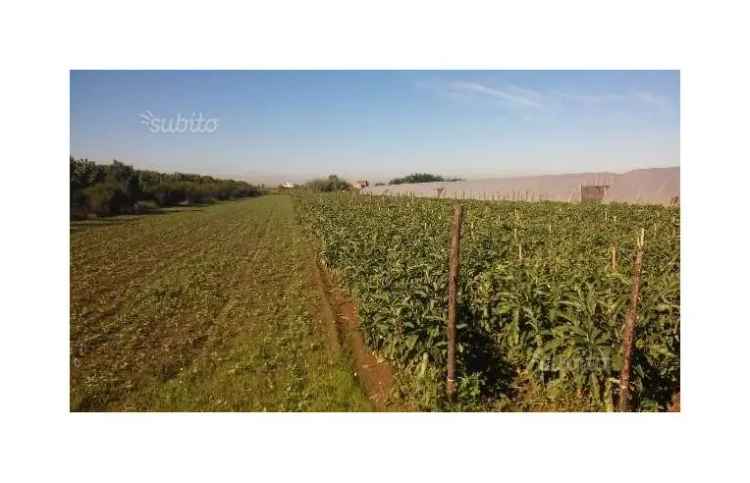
(628, 337)
(453, 269)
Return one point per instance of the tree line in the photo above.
(117, 188)
(327, 185)
(422, 178)
(335, 183)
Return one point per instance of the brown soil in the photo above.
(375, 376)
(674, 406)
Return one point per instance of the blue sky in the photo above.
(380, 124)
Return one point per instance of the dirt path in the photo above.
(375, 375)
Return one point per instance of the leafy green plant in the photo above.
(541, 308)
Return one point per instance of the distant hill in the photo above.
(654, 185)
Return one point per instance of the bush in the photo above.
(327, 185)
(422, 178)
(78, 212)
(106, 199)
(118, 188)
(145, 206)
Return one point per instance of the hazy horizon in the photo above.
(377, 124)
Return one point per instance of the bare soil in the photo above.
(375, 375)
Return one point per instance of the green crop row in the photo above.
(541, 308)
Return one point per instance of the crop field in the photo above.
(543, 292)
(203, 308)
(232, 306)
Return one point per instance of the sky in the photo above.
(377, 124)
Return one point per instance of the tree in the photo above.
(327, 185)
(421, 178)
(118, 187)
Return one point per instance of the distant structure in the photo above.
(594, 192)
(660, 186)
(288, 185)
(360, 184)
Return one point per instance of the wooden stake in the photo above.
(628, 337)
(453, 269)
